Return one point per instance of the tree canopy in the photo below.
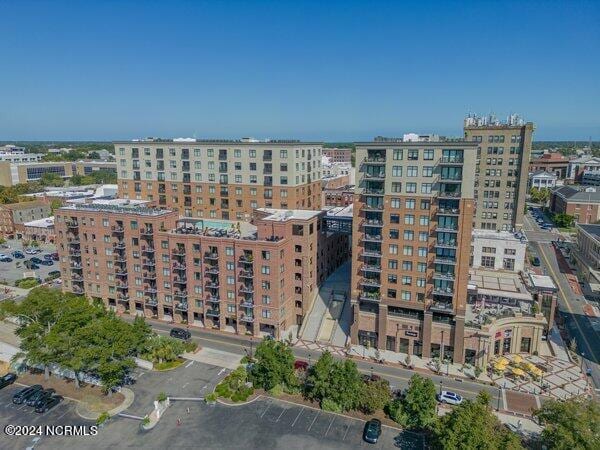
(417, 409)
(562, 220)
(570, 424)
(274, 365)
(539, 195)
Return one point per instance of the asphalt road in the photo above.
(569, 303)
(397, 376)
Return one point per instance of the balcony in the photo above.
(151, 301)
(150, 290)
(212, 299)
(148, 263)
(77, 267)
(120, 259)
(380, 176)
(146, 231)
(374, 161)
(212, 270)
(211, 285)
(246, 259)
(372, 223)
(73, 241)
(446, 244)
(118, 229)
(213, 256)
(150, 275)
(372, 238)
(120, 245)
(370, 282)
(181, 306)
(373, 192)
(247, 318)
(371, 254)
(147, 249)
(72, 224)
(246, 304)
(77, 290)
(451, 160)
(247, 289)
(123, 298)
(180, 280)
(371, 268)
(76, 278)
(441, 307)
(449, 180)
(121, 272)
(446, 292)
(213, 313)
(449, 194)
(122, 286)
(374, 208)
(440, 260)
(246, 274)
(370, 296)
(75, 252)
(178, 252)
(180, 294)
(179, 267)
(443, 276)
(448, 211)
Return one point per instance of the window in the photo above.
(409, 219)
(406, 280)
(396, 187)
(406, 296)
(427, 171)
(411, 188)
(488, 262)
(413, 154)
(393, 249)
(395, 203)
(424, 220)
(398, 154)
(407, 250)
(428, 154)
(422, 252)
(412, 171)
(265, 270)
(407, 265)
(488, 250)
(393, 279)
(410, 203)
(396, 171)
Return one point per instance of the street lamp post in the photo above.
(499, 393)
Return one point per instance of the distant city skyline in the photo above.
(335, 71)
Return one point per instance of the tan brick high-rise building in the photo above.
(221, 179)
(502, 169)
(413, 215)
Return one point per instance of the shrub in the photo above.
(331, 406)
(161, 397)
(222, 390)
(27, 283)
(145, 420)
(191, 346)
(102, 418)
(276, 391)
(212, 397)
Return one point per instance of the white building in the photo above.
(542, 180)
(586, 163)
(497, 250)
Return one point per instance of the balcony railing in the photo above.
(370, 268)
(147, 231)
(246, 274)
(440, 260)
(150, 290)
(371, 191)
(443, 276)
(370, 282)
(449, 194)
(122, 286)
(451, 160)
(181, 306)
(448, 211)
(151, 301)
(446, 244)
(441, 306)
(212, 299)
(147, 249)
(247, 318)
(72, 224)
(180, 294)
(148, 263)
(372, 223)
(246, 259)
(121, 272)
(245, 304)
(247, 289)
(150, 275)
(180, 280)
(178, 252)
(370, 296)
(374, 161)
(212, 270)
(380, 176)
(213, 312)
(123, 298)
(117, 229)
(371, 253)
(211, 285)
(446, 292)
(375, 208)
(120, 245)
(179, 267)
(372, 238)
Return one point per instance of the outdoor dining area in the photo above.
(516, 366)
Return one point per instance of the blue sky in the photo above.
(312, 70)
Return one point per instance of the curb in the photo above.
(221, 402)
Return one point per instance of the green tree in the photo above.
(274, 365)
(539, 195)
(337, 381)
(51, 179)
(375, 395)
(562, 220)
(55, 204)
(570, 424)
(472, 425)
(417, 409)
(162, 349)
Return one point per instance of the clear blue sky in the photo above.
(312, 70)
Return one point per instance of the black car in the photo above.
(372, 431)
(39, 397)
(25, 393)
(36, 260)
(6, 259)
(48, 403)
(7, 379)
(55, 256)
(47, 262)
(31, 265)
(54, 274)
(180, 333)
(17, 254)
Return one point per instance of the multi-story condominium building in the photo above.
(498, 250)
(12, 173)
(13, 216)
(221, 179)
(503, 154)
(338, 155)
(231, 276)
(413, 216)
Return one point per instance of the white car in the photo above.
(449, 397)
(32, 251)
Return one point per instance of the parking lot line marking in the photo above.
(346, 433)
(222, 370)
(313, 422)
(282, 411)
(266, 409)
(330, 423)
(294, 423)
(189, 364)
(63, 414)
(183, 387)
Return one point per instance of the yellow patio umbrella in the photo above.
(503, 360)
(517, 359)
(518, 372)
(499, 365)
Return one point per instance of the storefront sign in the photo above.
(411, 333)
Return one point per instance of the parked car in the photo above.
(180, 333)
(54, 274)
(372, 431)
(47, 262)
(7, 379)
(48, 256)
(39, 397)
(300, 365)
(54, 256)
(48, 404)
(536, 261)
(36, 260)
(31, 265)
(452, 398)
(18, 254)
(6, 259)
(32, 251)
(22, 395)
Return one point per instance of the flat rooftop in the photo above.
(340, 211)
(542, 281)
(243, 141)
(47, 222)
(496, 283)
(119, 206)
(216, 228)
(593, 230)
(501, 235)
(282, 215)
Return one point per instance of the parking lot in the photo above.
(9, 272)
(11, 414)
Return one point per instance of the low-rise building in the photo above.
(12, 173)
(542, 180)
(498, 250)
(238, 277)
(41, 230)
(338, 155)
(578, 166)
(586, 256)
(337, 191)
(581, 202)
(14, 215)
(551, 162)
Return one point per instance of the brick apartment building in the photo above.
(502, 170)
(552, 162)
(13, 216)
(221, 179)
(337, 191)
(232, 276)
(338, 155)
(581, 202)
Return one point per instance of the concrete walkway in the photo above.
(215, 357)
(322, 322)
